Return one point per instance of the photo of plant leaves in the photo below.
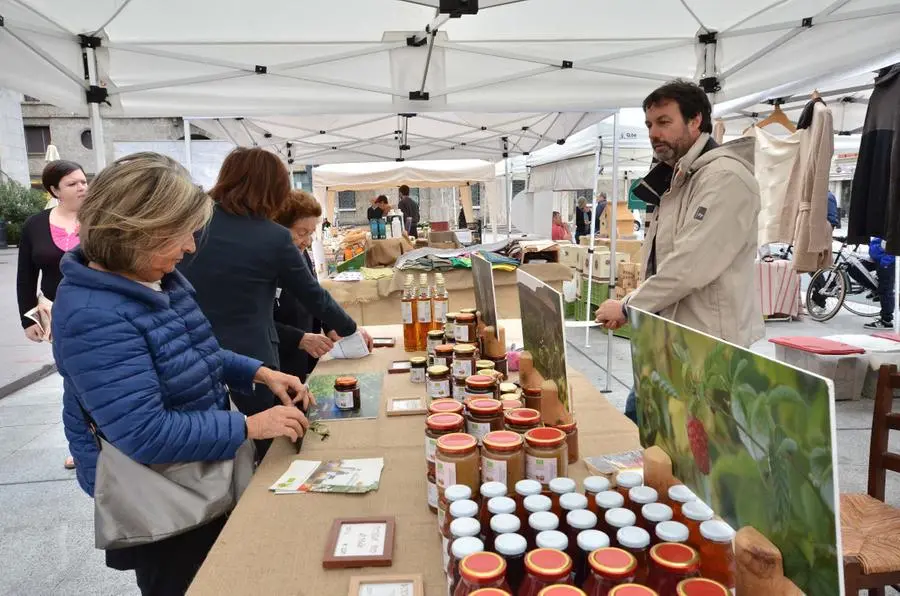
(752, 437)
(322, 388)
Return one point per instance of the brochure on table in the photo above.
(337, 476)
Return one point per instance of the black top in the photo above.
(582, 222)
(292, 322)
(238, 263)
(410, 209)
(374, 213)
(37, 254)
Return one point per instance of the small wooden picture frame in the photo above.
(406, 406)
(360, 542)
(399, 367)
(384, 342)
(387, 585)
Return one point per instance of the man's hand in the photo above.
(279, 421)
(34, 333)
(610, 314)
(370, 343)
(333, 336)
(287, 388)
(316, 344)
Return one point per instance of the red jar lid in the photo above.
(481, 381)
(482, 568)
(532, 391)
(445, 406)
(503, 440)
(548, 564)
(675, 557)
(566, 428)
(522, 417)
(448, 421)
(700, 586)
(612, 562)
(511, 404)
(456, 442)
(444, 349)
(347, 382)
(489, 592)
(484, 406)
(545, 437)
(561, 590)
(632, 590)
(465, 318)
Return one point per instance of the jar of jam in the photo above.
(459, 390)
(512, 548)
(640, 496)
(532, 397)
(435, 339)
(578, 521)
(568, 503)
(451, 494)
(552, 539)
(571, 430)
(695, 513)
(562, 590)
(417, 368)
(526, 488)
(346, 393)
(717, 552)
(438, 382)
(671, 531)
(501, 365)
(627, 480)
(587, 542)
(460, 549)
(671, 563)
(559, 487)
(545, 567)
(507, 387)
(503, 458)
(443, 355)
(653, 514)
(490, 491)
(483, 416)
(463, 509)
(504, 523)
(541, 521)
(510, 403)
(481, 570)
(463, 361)
(446, 405)
(636, 541)
(436, 426)
(464, 527)
(678, 495)
(701, 586)
(522, 420)
(632, 590)
(546, 455)
(593, 485)
(457, 461)
(616, 519)
(481, 386)
(610, 567)
(466, 328)
(607, 500)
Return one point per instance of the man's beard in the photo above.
(669, 153)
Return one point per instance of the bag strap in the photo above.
(91, 423)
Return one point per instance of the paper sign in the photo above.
(351, 347)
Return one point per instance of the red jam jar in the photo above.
(610, 567)
(717, 552)
(568, 503)
(695, 513)
(632, 590)
(488, 491)
(588, 541)
(607, 500)
(559, 487)
(542, 521)
(653, 514)
(461, 549)
(524, 489)
(670, 564)
(545, 567)
(593, 485)
(671, 531)
(636, 541)
(640, 496)
(577, 522)
(481, 570)
(701, 586)
(678, 495)
(616, 519)
(627, 480)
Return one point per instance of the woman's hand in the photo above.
(370, 343)
(287, 388)
(34, 333)
(278, 421)
(316, 344)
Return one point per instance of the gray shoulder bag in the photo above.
(137, 504)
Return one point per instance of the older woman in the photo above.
(139, 359)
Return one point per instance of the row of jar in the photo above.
(450, 376)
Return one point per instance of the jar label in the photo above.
(406, 312)
(432, 495)
(542, 469)
(462, 333)
(432, 344)
(459, 393)
(430, 448)
(445, 473)
(440, 360)
(343, 399)
(439, 389)
(417, 375)
(478, 429)
(442, 514)
(463, 368)
(424, 311)
(493, 470)
(440, 310)
(445, 547)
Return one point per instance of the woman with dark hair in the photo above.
(242, 255)
(46, 236)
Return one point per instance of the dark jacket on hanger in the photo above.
(875, 198)
(292, 322)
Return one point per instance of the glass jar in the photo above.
(511, 403)
(562, 590)
(546, 455)
(438, 382)
(443, 355)
(670, 563)
(457, 461)
(627, 480)
(701, 586)
(632, 590)
(450, 495)
(576, 522)
(464, 527)
(461, 549)
(670, 531)
(445, 405)
(481, 570)
(593, 485)
(640, 496)
(492, 591)
(545, 567)
(532, 397)
(484, 365)
(483, 416)
(636, 541)
(489, 372)
(717, 552)
(463, 361)
(463, 509)
(482, 386)
(610, 567)
(503, 523)
(346, 393)
(435, 339)
(459, 390)
(695, 513)
(540, 521)
(525, 488)
(417, 367)
(508, 387)
(522, 420)
(653, 514)
(678, 495)
(607, 500)
(501, 365)
(568, 503)
(450, 328)
(587, 542)
(436, 426)
(466, 328)
(559, 487)
(503, 458)
(552, 539)
(616, 519)
(488, 492)
(571, 430)
(512, 548)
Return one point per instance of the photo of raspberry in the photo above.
(699, 444)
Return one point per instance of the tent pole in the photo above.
(97, 137)
(508, 184)
(613, 263)
(588, 315)
(188, 162)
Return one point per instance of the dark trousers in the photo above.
(253, 403)
(886, 292)
(631, 406)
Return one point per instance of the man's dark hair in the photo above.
(56, 171)
(404, 190)
(691, 100)
(381, 199)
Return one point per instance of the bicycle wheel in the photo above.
(861, 305)
(825, 294)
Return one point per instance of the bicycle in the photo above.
(830, 288)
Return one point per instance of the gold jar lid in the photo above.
(438, 370)
(484, 364)
(418, 361)
(508, 388)
(464, 349)
(436, 334)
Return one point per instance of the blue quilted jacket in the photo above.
(146, 367)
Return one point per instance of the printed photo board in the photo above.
(322, 388)
(485, 295)
(753, 437)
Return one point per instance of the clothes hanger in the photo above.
(777, 117)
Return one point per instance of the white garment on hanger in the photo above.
(774, 160)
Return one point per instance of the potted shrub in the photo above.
(17, 203)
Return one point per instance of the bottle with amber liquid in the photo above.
(440, 303)
(424, 318)
(408, 316)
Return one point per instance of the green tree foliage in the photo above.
(18, 203)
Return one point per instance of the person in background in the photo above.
(582, 219)
(461, 222)
(138, 358)
(379, 209)
(559, 230)
(601, 207)
(241, 258)
(46, 236)
(833, 217)
(301, 339)
(885, 269)
(410, 210)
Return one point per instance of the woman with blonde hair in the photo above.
(141, 367)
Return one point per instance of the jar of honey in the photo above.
(525, 488)
(481, 570)
(461, 549)
(671, 531)
(606, 501)
(559, 487)
(435, 339)
(451, 494)
(678, 495)
(483, 416)
(510, 403)
(671, 563)
(489, 490)
(347, 394)
(562, 590)
(443, 355)
(481, 386)
(463, 509)
(552, 539)
(450, 328)
(532, 397)
(512, 548)
(578, 521)
(545, 567)
(695, 513)
(627, 480)
(546, 455)
(717, 552)
(653, 514)
(445, 405)
(503, 458)
(587, 542)
(466, 328)
(569, 503)
(417, 367)
(636, 541)
(436, 426)
(701, 586)
(457, 461)
(571, 430)
(616, 519)
(463, 361)
(438, 382)
(522, 420)
(592, 486)
(640, 496)
(610, 567)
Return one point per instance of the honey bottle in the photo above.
(440, 302)
(424, 318)
(408, 316)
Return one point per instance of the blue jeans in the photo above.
(631, 406)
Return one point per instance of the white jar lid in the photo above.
(697, 511)
(505, 523)
(463, 547)
(672, 531)
(591, 540)
(510, 545)
(489, 490)
(633, 537)
(562, 486)
(609, 499)
(573, 501)
(582, 519)
(465, 526)
(528, 487)
(464, 508)
(657, 512)
(717, 531)
(596, 484)
(457, 492)
(535, 503)
(642, 495)
(499, 505)
(629, 479)
(681, 493)
(543, 521)
(552, 539)
(620, 517)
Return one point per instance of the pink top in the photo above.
(559, 232)
(63, 240)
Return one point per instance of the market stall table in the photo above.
(275, 544)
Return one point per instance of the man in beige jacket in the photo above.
(698, 257)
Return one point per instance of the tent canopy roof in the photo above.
(369, 176)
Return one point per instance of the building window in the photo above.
(347, 200)
(37, 138)
(87, 140)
